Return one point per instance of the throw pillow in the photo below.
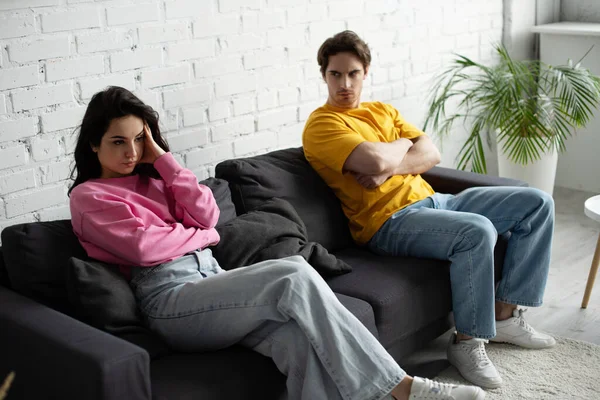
(102, 298)
(286, 174)
(222, 194)
(36, 256)
(272, 231)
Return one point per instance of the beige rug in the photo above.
(570, 370)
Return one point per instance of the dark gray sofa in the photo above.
(404, 302)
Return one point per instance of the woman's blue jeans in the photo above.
(464, 228)
(282, 309)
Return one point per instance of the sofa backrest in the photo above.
(36, 256)
(286, 174)
(3, 273)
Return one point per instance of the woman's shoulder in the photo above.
(95, 193)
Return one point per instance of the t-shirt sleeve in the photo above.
(328, 141)
(403, 128)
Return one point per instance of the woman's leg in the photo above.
(281, 308)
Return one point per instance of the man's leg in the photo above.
(528, 215)
(468, 241)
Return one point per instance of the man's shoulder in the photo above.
(324, 114)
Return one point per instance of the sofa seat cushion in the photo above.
(232, 373)
(406, 293)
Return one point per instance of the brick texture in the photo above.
(228, 78)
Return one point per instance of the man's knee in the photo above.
(480, 230)
(538, 199)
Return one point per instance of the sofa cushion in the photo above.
(272, 231)
(406, 293)
(3, 273)
(102, 298)
(287, 174)
(224, 374)
(36, 257)
(222, 194)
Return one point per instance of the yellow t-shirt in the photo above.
(332, 133)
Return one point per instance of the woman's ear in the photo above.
(94, 148)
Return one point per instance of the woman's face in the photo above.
(122, 147)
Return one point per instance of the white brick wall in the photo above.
(229, 78)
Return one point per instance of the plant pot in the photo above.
(540, 174)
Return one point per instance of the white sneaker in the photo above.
(516, 330)
(471, 360)
(425, 389)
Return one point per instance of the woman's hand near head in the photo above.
(151, 149)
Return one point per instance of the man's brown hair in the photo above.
(346, 41)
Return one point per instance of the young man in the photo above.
(372, 159)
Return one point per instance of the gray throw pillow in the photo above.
(101, 297)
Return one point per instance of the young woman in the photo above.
(133, 205)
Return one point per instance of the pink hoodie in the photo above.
(141, 221)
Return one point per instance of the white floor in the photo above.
(575, 238)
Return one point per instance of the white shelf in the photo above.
(569, 28)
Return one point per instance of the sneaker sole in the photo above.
(548, 346)
(482, 384)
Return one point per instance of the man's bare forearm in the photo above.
(374, 158)
(420, 158)
(392, 154)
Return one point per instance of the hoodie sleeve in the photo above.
(115, 234)
(195, 205)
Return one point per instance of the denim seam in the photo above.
(475, 335)
(504, 286)
(205, 310)
(519, 302)
(387, 390)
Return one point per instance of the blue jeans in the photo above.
(464, 228)
(282, 309)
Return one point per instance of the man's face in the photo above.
(344, 77)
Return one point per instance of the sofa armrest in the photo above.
(448, 180)
(56, 356)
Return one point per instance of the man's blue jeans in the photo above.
(464, 228)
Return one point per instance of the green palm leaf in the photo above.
(533, 107)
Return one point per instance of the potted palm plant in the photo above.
(531, 108)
